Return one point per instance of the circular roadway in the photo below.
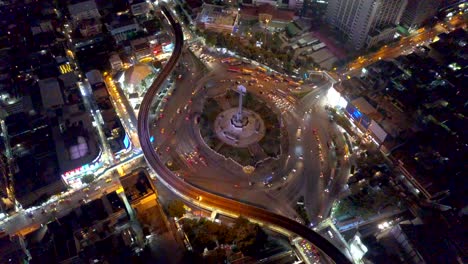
(191, 193)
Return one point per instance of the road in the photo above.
(191, 193)
(406, 44)
(124, 110)
(299, 162)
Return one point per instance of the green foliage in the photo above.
(364, 204)
(247, 48)
(248, 237)
(87, 178)
(300, 209)
(176, 208)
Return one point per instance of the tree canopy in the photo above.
(176, 208)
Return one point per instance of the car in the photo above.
(178, 110)
(161, 116)
(187, 118)
(163, 130)
(168, 148)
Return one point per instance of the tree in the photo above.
(176, 208)
(248, 237)
(211, 39)
(87, 179)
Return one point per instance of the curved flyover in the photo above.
(210, 199)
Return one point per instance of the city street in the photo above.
(404, 45)
(193, 194)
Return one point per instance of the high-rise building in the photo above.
(419, 11)
(287, 4)
(449, 3)
(365, 22)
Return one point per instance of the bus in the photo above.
(246, 71)
(234, 69)
(283, 93)
(294, 84)
(227, 60)
(279, 78)
(261, 69)
(235, 63)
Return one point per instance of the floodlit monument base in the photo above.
(241, 122)
(239, 133)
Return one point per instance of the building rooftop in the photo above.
(81, 7)
(51, 93)
(137, 73)
(277, 14)
(213, 14)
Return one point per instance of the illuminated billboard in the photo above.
(335, 99)
(359, 117)
(167, 47)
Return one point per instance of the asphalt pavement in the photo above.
(189, 192)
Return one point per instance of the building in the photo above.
(217, 18)
(296, 4)
(122, 30)
(13, 250)
(84, 10)
(419, 11)
(90, 27)
(141, 48)
(411, 106)
(365, 22)
(448, 3)
(381, 35)
(51, 93)
(289, 4)
(270, 16)
(115, 62)
(413, 241)
(141, 8)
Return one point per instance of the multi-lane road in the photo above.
(194, 194)
(405, 44)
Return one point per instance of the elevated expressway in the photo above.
(212, 201)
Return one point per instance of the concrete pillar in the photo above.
(129, 208)
(107, 205)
